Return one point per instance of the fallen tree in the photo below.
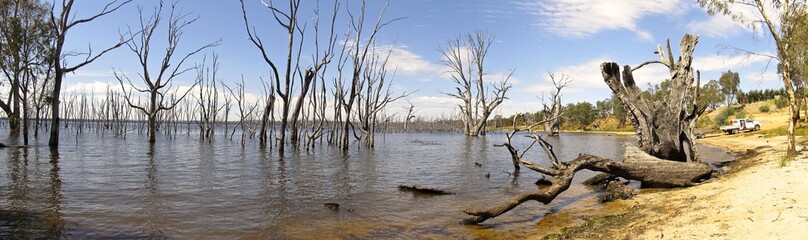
(665, 157)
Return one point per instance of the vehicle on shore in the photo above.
(741, 124)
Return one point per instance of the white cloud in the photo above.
(582, 18)
(587, 76)
(718, 26)
(584, 76)
(722, 63)
(409, 62)
(747, 18)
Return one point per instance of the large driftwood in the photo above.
(637, 165)
(665, 127)
(666, 155)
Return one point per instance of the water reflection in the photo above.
(33, 190)
(185, 188)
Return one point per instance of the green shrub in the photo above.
(704, 122)
(740, 114)
(722, 117)
(764, 108)
(780, 102)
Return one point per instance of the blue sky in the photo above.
(532, 37)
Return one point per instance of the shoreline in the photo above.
(755, 198)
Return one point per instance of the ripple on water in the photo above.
(186, 188)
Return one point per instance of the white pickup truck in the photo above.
(738, 125)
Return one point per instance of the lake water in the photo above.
(104, 187)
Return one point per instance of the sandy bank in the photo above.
(757, 199)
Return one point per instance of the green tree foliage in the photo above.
(580, 114)
(25, 37)
(710, 95)
(724, 115)
(619, 111)
(729, 82)
(763, 95)
(764, 109)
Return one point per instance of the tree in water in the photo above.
(61, 26)
(551, 112)
(158, 84)
(294, 72)
(465, 57)
(788, 13)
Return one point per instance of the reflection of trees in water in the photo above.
(32, 209)
(153, 201)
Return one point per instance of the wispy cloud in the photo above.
(716, 26)
(583, 18)
(587, 76)
(722, 62)
(408, 62)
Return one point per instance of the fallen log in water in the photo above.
(423, 189)
(637, 165)
(12, 146)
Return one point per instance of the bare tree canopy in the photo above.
(62, 24)
(552, 111)
(159, 84)
(465, 58)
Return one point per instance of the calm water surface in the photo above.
(104, 187)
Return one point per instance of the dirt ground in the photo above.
(756, 199)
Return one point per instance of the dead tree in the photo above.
(553, 111)
(359, 55)
(465, 57)
(244, 109)
(654, 163)
(664, 127)
(207, 98)
(158, 83)
(61, 25)
(409, 116)
(376, 96)
(284, 85)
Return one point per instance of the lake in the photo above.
(107, 187)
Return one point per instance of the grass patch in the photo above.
(592, 225)
(783, 131)
(784, 159)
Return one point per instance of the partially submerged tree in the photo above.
(62, 24)
(159, 83)
(465, 57)
(781, 19)
(552, 111)
(664, 128)
(293, 72)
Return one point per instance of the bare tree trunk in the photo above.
(663, 126)
(467, 71)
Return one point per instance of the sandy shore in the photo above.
(756, 199)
